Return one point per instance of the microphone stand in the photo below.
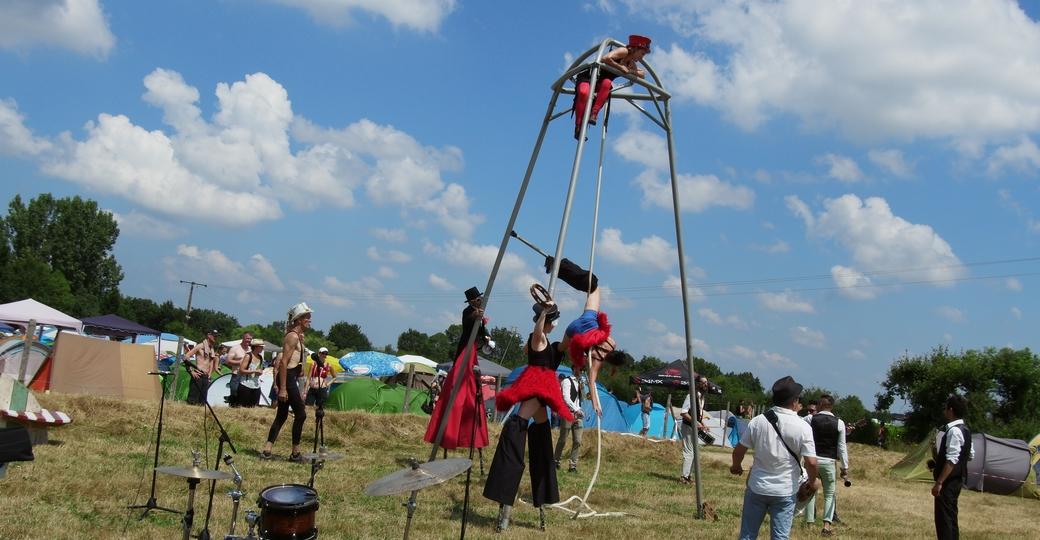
(224, 438)
(152, 504)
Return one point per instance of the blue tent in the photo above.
(658, 417)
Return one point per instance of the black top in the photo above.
(960, 470)
(825, 435)
(550, 357)
(471, 316)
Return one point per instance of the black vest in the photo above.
(825, 435)
(575, 395)
(960, 470)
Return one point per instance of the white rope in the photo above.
(584, 510)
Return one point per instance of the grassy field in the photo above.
(80, 484)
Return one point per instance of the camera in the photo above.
(931, 464)
(706, 438)
(714, 389)
(846, 481)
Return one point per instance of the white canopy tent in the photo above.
(21, 312)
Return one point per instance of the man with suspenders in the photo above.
(831, 449)
(953, 450)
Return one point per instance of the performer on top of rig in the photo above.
(459, 428)
(587, 339)
(535, 389)
(623, 59)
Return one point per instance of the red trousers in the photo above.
(602, 94)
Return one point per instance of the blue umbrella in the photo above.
(371, 364)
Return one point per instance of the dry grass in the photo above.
(79, 485)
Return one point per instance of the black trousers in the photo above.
(197, 390)
(507, 467)
(248, 397)
(946, 510)
(298, 408)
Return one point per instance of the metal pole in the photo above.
(408, 388)
(180, 339)
(667, 415)
(23, 365)
(686, 305)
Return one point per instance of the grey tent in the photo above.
(1000, 466)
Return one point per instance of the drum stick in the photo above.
(528, 244)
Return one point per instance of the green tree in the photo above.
(509, 347)
(412, 341)
(349, 336)
(71, 236)
(27, 276)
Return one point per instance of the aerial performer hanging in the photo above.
(458, 431)
(624, 59)
(535, 389)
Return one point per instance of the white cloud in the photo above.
(763, 359)
(217, 268)
(656, 326)
(1022, 157)
(314, 294)
(776, 360)
(667, 345)
(841, 168)
(135, 223)
(440, 283)
(1013, 284)
(15, 138)
(672, 286)
(644, 147)
(880, 240)
(856, 354)
(697, 193)
(1016, 313)
(255, 152)
(391, 255)
(389, 235)
(714, 318)
(652, 252)
(421, 15)
(803, 335)
(892, 162)
(785, 301)
(868, 69)
(951, 314)
(776, 247)
(853, 283)
(386, 272)
(78, 25)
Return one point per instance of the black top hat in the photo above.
(784, 390)
(550, 316)
(472, 294)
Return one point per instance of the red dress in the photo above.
(458, 431)
(538, 381)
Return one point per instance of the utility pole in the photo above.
(180, 339)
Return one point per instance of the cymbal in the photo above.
(194, 472)
(418, 476)
(326, 456)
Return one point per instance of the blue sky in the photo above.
(859, 179)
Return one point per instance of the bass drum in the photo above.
(219, 390)
(287, 512)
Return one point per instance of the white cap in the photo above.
(298, 311)
(323, 350)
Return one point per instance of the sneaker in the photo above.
(296, 458)
(685, 480)
(572, 468)
(265, 455)
(557, 465)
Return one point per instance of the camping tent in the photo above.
(1001, 466)
(673, 376)
(116, 327)
(421, 363)
(84, 365)
(21, 312)
(487, 367)
(367, 394)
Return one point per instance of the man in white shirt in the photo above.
(829, 438)
(571, 389)
(688, 428)
(953, 450)
(776, 473)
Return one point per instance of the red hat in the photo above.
(640, 42)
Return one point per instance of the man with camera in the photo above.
(953, 450)
(829, 437)
(777, 482)
(688, 432)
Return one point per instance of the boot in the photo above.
(541, 518)
(573, 275)
(502, 523)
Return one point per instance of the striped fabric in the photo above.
(43, 416)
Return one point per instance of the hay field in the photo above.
(80, 484)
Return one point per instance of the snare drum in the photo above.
(287, 512)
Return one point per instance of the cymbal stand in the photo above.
(411, 504)
(224, 438)
(189, 515)
(319, 435)
(235, 494)
(152, 504)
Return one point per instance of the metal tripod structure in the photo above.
(660, 114)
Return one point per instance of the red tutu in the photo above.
(580, 343)
(459, 426)
(537, 382)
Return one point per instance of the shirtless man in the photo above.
(287, 371)
(623, 59)
(205, 354)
